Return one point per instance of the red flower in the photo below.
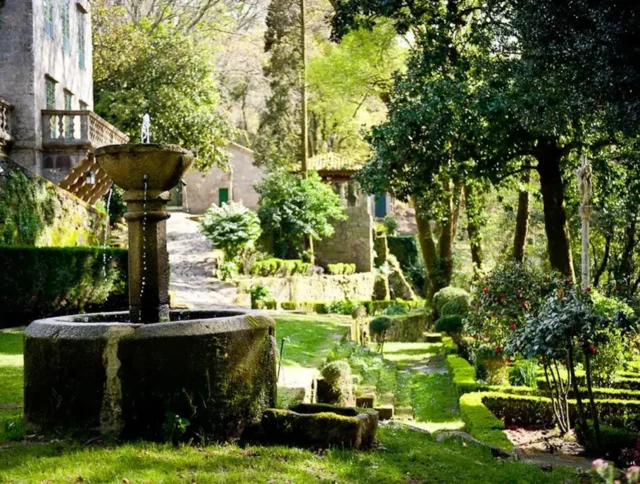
(563, 363)
(513, 327)
(494, 315)
(592, 350)
(542, 359)
(498, 349)
(589, 290)
(509, 360)
(569, 282)
(485, 290)
(475, 336)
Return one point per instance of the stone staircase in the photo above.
(87, 181)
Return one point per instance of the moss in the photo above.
(34, 212)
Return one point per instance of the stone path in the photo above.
(191, 266)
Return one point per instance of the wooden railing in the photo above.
(78, 129)
(5, 133)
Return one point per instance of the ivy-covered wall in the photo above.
(35, 212)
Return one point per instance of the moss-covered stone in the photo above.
(216, 376)
(325, 429)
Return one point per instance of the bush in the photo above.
(454, 307)
(231, 228)
(480, 422)
(279, 267)
(396, 310)
(458, 296)
(345, 307)
(341, 269)
(390, 224)
(289, 306)
(42, 282)
(450, 324)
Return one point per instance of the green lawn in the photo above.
(403, 456)
(310, 337)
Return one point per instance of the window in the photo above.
(50, 86)
(66, 27)
(68, 120)
(48, 18)
(51, 93)
(81, 40)
(223, 196)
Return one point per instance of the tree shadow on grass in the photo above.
(11, 343)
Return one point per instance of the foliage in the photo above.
(143, 68)
(258, 293)
(34, 212)
(502, 301)
(345, 307)
(294, 208)
(42, 282)
(174, 427)
(390, 224)
(231, 228)
(451, 324)
(379, 327)
(395, 310)
(524, 373)
(482, 423)
(227, 271)
(460, 297)
(278, 267)
(341, 269)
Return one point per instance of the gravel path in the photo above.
(191, 263)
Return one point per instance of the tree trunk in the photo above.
(429, 251)
(448, 233)
(555, 217)
(582, 427)
(474, 224)
(522, 220)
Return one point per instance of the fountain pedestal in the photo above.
(131, 374)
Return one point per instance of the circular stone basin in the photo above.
(216, 369)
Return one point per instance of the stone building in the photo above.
(46, 79)
(236, 184)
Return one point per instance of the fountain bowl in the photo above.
(127, 165)
(100, 373)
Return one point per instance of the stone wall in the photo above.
(352, 242)
(203, 189)
(357, 287)
(35, 212)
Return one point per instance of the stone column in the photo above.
(148, 257)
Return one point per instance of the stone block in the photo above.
(320, 427)
(385, 412)
(365, 401)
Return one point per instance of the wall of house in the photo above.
(27, 55)
(48, 216)
(203, 189)
(352, 242)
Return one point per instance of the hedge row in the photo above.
(280, 267)
(41, 282)
(480, 422)
(341, 269)
(372, 307)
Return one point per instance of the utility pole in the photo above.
(303, 75)
(584, 185)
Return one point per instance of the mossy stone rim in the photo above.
(194, 323)
(144, 148)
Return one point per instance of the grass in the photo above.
(310, 338)
(403, 456)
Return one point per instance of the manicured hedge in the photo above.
(280, 267)
(341, 269)
(40, 282)
(481, 423)
(264, 304)
(372, 307)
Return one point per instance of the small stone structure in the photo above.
(352, 242)
(321, 426)
(203, 189)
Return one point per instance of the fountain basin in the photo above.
(216, 369)
(128, 165)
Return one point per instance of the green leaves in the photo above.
(231, 228)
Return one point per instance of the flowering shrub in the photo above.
(501, 302)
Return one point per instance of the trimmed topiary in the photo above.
(450, 324)
(448, 294)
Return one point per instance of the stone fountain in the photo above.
(130, 374)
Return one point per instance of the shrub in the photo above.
(378, 328)
(42, 282)
(289, 306)
(341, 269)
(454, 307)
(390, 224)
(345, 307)
(258, 294)
(460, 297)
(480, 422)
(279, 267)
(231, 228)
(396, 310)
(450, 324)
(227, 271)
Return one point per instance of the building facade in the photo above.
(46, 77)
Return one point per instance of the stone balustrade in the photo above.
(5, 133)
(68, 129)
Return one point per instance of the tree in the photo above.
(142, 69)
(470, 104)
(294, 209)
